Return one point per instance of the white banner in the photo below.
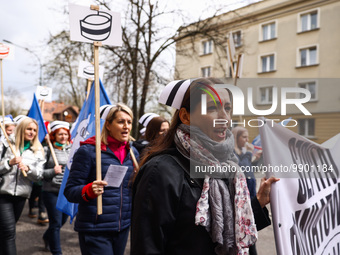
(305, 204)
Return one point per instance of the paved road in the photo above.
(29, 238)
(266, 243)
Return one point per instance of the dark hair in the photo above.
(190, 101)
(153, 128)
(54, 133)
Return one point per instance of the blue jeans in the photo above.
(108, 243)
(56, 220)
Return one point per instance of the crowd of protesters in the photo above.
(149, 190)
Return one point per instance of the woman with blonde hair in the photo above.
(106, 233)
(26, 135)
(15, 188)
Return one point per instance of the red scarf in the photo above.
(120, 149)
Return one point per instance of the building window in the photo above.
(268, 31)
(308, 56)
(306, 127)
(207, 47)
(206, 71)
(311, 86)
(266, 95)
(237, 38)
(308, 21)
(267, 63)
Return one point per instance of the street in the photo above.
(29, 238)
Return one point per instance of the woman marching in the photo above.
(53, 176)
(179, 211)
(156, 126)
(106, 233)
(15, 188)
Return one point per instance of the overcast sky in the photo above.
(29, 23)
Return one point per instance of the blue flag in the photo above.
(35, 113)
(83, 128)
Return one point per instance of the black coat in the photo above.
(164, 204)
(163, 210)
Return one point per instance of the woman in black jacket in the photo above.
(176, 208)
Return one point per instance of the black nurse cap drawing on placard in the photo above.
(89, 24)
(44, 93)
(96, 27)
(88, 71)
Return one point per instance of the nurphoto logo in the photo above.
(238, 103)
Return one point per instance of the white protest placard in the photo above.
(305, 208)
(90, 26)
(114, 175)
(7, 51)
(44, 93)
(86, 70)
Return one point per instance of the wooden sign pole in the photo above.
(89, 82)
(96, 46)
(3, 118)
(237, 68)
(236, 76)
(231, 59)
(2, 93)
(42, 105)
(52, 150)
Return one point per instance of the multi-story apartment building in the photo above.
(285, 43)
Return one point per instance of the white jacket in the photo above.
(13, 181)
